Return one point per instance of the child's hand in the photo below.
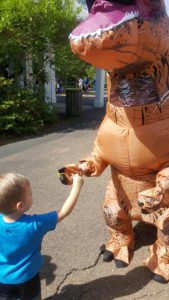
(66, 173)
(78, 180)
(73, 197)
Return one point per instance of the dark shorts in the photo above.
(25, 291)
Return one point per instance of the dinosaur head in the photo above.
(107, 14)
(112, 25)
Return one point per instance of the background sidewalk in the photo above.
(87, 100)
(73, 266)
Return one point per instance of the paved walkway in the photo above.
(73, 268)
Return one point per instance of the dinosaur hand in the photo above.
(66, 173)
(84, 167)
(149, 200)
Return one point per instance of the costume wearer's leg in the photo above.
(158, 262)
(153, 198)
(119, 225)
(120, 208)
(155, 204)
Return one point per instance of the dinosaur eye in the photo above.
(125, 2)
(89, 4)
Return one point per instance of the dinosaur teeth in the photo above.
(128, 16)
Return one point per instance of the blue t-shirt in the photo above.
(20, 244)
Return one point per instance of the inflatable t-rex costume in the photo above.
(130, 39)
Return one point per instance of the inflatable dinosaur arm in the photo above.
(92, 165)
(162, 179)
(150, 199)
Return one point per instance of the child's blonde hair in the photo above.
(12, 190)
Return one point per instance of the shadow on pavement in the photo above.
(107, 288)
(48, 271)
(90, 119)
(115, 286)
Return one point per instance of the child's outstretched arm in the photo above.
(72, 199)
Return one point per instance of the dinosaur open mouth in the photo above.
(105, 15)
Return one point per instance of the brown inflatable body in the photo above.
(134, 136)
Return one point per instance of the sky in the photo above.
(167, 5)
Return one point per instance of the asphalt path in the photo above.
(73, 266)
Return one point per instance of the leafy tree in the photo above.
(32, 25)
(69, 68)
(35, 27)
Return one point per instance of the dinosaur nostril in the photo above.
(141, 204)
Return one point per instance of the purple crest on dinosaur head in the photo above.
(146, 7)
(90, 3)
(108, 14)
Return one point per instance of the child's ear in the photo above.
(20, 205)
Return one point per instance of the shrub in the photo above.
(6, 87)
(22, 112)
